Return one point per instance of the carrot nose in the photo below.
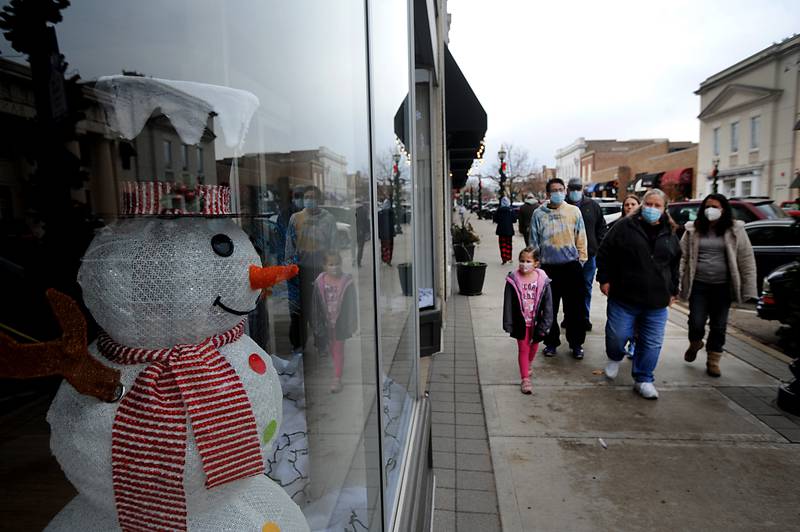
(265, 277)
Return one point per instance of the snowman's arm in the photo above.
(68, 356)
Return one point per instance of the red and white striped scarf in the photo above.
(148, 443)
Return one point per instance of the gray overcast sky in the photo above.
(549, 72)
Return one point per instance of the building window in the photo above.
(200, 160)
(716, 141)
(735, 137)
(184, 157)
(755, 132)
(747, 188)
(168, 154)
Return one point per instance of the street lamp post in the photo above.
(502, 156)
(480, 196)
(714, 173)
(396, 174)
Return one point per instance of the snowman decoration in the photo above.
(185, 446)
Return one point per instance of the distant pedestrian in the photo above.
(504, 219)
(717, 267)
(630, 204)
(596, 228)
(557, 232)
(386, 231)
(525, 215)
(637, 268)
(527, 311)
(363, 230)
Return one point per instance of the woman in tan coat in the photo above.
(717, 268)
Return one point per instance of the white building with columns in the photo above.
(748, 115)
(568, 159)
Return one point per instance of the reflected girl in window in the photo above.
(334, 319)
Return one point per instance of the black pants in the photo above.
(709, 302)
(360, 250)
(566, 282)
(526, 235)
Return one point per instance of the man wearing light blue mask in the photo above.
(596, 229)
(637, 268)
(311, 233)
(558, 232)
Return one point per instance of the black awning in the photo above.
(465, 118)
(400, 118)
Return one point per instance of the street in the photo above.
(583, 453)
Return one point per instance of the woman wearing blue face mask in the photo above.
(717, 267)
(637, 268)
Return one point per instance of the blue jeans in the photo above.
(589, 270)
(649, 325)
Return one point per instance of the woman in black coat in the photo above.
(504, 218)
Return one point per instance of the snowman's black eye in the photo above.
(222, 245)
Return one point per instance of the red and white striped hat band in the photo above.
(161, 197)
(184, 383)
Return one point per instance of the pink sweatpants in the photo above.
(337, 352)
(527, 352)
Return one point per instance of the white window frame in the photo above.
(716, 142)
(755, 133)
(735, 137)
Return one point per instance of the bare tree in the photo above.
(519, 168)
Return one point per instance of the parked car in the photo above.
(345, 224)
(791, 207)
(488, 210)
(774, 301)
(744, 209)
(612, 210)
(775, 243)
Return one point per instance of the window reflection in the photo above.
(241, 100)
(397, 297)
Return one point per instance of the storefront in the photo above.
(644, 181)
(189, 145)
(677, 183)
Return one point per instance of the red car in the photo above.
(744, 209)
(791, 207)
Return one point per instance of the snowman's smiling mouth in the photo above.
(218, 303)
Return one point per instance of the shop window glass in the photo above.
(275, 98)
(392, 106)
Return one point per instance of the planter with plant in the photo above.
(464, 240)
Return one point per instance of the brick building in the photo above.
(669, 165)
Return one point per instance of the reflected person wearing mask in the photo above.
(637, 268)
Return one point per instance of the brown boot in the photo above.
(712, 364)
(691, 352)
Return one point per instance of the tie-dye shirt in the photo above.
(559, 234)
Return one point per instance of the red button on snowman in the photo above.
(185, 446)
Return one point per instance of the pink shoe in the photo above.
(525, 386)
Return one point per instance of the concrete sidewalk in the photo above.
(585, 454)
